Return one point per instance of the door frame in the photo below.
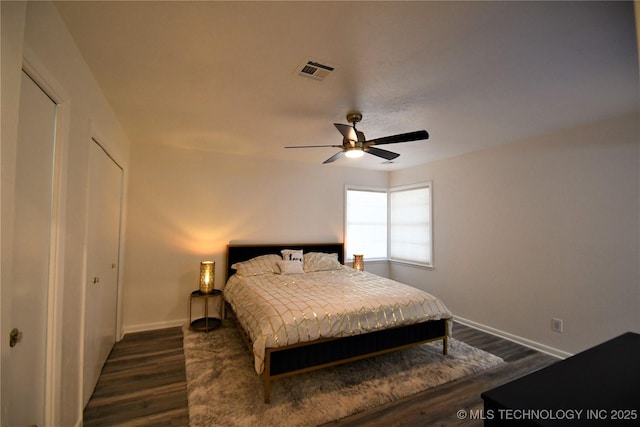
(53, 358)
(95, 138)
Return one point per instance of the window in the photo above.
(366, 223)
(390, 224)
(410, 238)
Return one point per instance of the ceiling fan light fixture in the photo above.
(354, 153)
(355, 144)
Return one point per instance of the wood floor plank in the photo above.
(143, 383)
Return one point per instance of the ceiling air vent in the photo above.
(315, 70)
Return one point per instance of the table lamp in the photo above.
(358, 262)
(207, 276)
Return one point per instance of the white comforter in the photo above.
(278, 310)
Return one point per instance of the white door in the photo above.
(105, 200)
(31, 254)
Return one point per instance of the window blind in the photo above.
(366, 223)
(410, 225)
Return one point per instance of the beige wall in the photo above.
(84, 113)
(539, 229)
(187, 205)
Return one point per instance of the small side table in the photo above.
(205, 323)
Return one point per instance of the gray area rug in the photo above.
(224, 389)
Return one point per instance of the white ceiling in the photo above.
(222, 76)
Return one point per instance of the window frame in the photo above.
(349, 257)
(388, 191)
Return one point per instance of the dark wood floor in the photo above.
(143, 384)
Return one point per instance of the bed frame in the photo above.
(304, 357)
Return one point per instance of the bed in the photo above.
(289, 323)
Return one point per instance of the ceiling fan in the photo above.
(354, 143)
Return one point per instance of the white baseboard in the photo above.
(129, 329)
(519, 340)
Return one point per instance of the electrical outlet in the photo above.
(556, 325)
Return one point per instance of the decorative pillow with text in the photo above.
(292, 255)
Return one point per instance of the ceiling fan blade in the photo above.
(313, 146)
(347, 131)
(382, 153)
(403, 137)
(335, 157)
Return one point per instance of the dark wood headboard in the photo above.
(238, 253)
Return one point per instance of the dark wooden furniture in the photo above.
(205, 323)
(596, 387)
(304, 357)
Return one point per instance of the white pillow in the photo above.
(290, 267)
(262, 264)
(319, 261)
(292, 255)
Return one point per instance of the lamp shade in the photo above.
(358, 262)
(207, 276)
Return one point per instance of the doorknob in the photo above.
(14, 337)
(96, 279)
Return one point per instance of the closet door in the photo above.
(105, 201)
(31, 255)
